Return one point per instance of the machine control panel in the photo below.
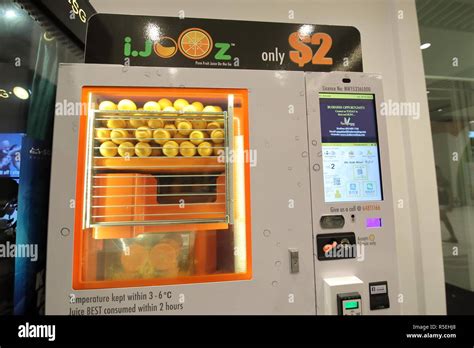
(349, 304)
(352, 194)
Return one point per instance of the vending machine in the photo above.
(207, 191)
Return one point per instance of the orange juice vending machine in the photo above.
(218, 191)
(180, 191)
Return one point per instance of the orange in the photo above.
(126, 149)
(198, 106)
(170, 109)
(179, 104)
(155, 123)
(187, 149)
(126, 104)
(185, 127)
(190, 108)
(164, 256)
(199, 124)
(178, 120)
(116, 123)
(210, 108)
(195, 43)
(152, 106)
(135, 258)
(102, 134)
(197, 137)
(217, 136)
(205, 149)
(171, 128)
(107, 105)
(135, 122)
(143, 149)
(108, 149)
(143, 134)
(164, 102)
(171, 148)
(213, 125)
(161, 136)
(118, 136)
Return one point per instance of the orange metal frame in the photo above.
(80, 235)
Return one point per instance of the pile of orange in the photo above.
(185, 134)
(162, 259)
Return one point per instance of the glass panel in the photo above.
(447, 36)
(159, 201)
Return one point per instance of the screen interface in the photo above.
(351, 164)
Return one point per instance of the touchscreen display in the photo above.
(351, 164)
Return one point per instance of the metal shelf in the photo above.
(144, 191)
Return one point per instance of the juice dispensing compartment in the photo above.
(159, 201)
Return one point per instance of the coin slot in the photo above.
(332, 221)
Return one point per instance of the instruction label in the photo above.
(137, 302)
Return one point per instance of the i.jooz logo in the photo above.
(193, 43)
